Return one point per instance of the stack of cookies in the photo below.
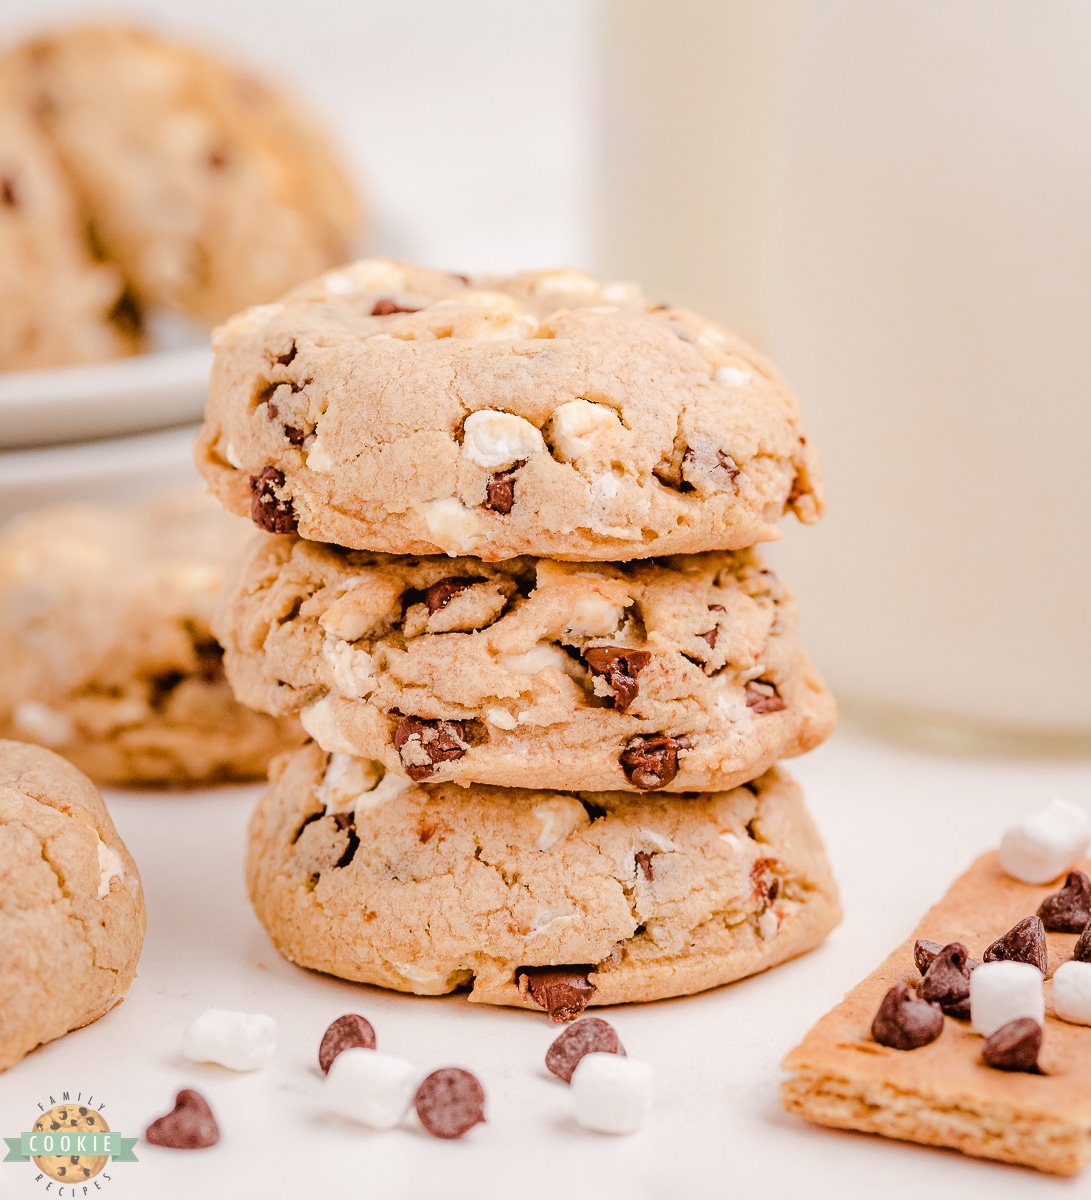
(508, 584)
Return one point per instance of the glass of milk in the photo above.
(894, 200)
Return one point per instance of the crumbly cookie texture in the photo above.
(71, 905)
(388, 407)
(209, 188)
(942, 1094)
(57, 303)
(106, 647)
(680, 673)
(431, 888)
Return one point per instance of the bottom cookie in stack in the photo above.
(545, 900)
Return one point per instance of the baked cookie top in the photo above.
(208, 187)
(58, 304)
(680, 673)
(387, 407)
(71, 905)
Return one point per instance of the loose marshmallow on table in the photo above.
(372, 1088)
(1072, 992)
(612, 1094)
(1046, 843)
(239, 1040)
(1005, 991)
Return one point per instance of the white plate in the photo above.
(126, 395)
(114, 470)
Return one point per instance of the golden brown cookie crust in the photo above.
(942, 1094)
(386, 407)
(107, 651)
(71, 905)
(551, 669)
(431, 888)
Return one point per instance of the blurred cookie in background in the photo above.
(59, 305)
(107, 652)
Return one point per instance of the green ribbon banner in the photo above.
(32, 1145)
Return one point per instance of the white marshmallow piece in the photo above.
(497, 439)
(372, 1088)
(1005, 991)
(1047, 843)
(1072, 992)
(238, 1040)
(612, 1094)
(578, 425)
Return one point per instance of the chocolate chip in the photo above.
(562, 991)
(294, 435)
(435, 741)
(619, 668)
(711, 636)
(271, 411)
(386, 307)
(287, 358)
(346, 823)
(1068, 910)
(1024, 942)
(923, 953)
(1014, 1046)
(9, 196)
(947, 980)
(763, 697)
(190, 1125)
(345, 1033)
(439, 595)
(905, 1022)
(1081, 952)
(652, 762)
(449, 1102)
(268, 509)
(724, 462)
(589, 1035)
(764, 882)
(644, 862)
(500, 489)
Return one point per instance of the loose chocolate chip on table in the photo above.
(449, 1102)
(347, 1032)
(947, 980)
(652, 762)
(1068, 910)
(924, 952)
(439, 595)
(385, 307)
(619, 668)
(1081, 952)
(588, 1035)
(1024, 942)
(905, 1022)
(763, 697)
(269, 510)
(562, 991)
(190, 1125)
(1015, 1046)
(422, 744)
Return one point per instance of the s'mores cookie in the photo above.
(387, 407)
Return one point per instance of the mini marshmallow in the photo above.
(1072, 992)
(1005, 991)
(238, 1040)
(372, 1088)
(611, 1094)
(497, 439)
(1046, 843)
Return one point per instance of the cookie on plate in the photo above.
(210, 189)
(106, 648)
(71, 905)
(387, 407)
(541, 899)
(679, 673)
(58, 304)
(942, 1093)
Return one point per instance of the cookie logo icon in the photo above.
(66, 1122)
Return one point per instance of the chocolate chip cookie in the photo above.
(106, 648)
(387, 407)
(681, 673)
(547, 900)
(207, 187)
(71, 905)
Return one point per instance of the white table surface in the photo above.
(900, 825)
